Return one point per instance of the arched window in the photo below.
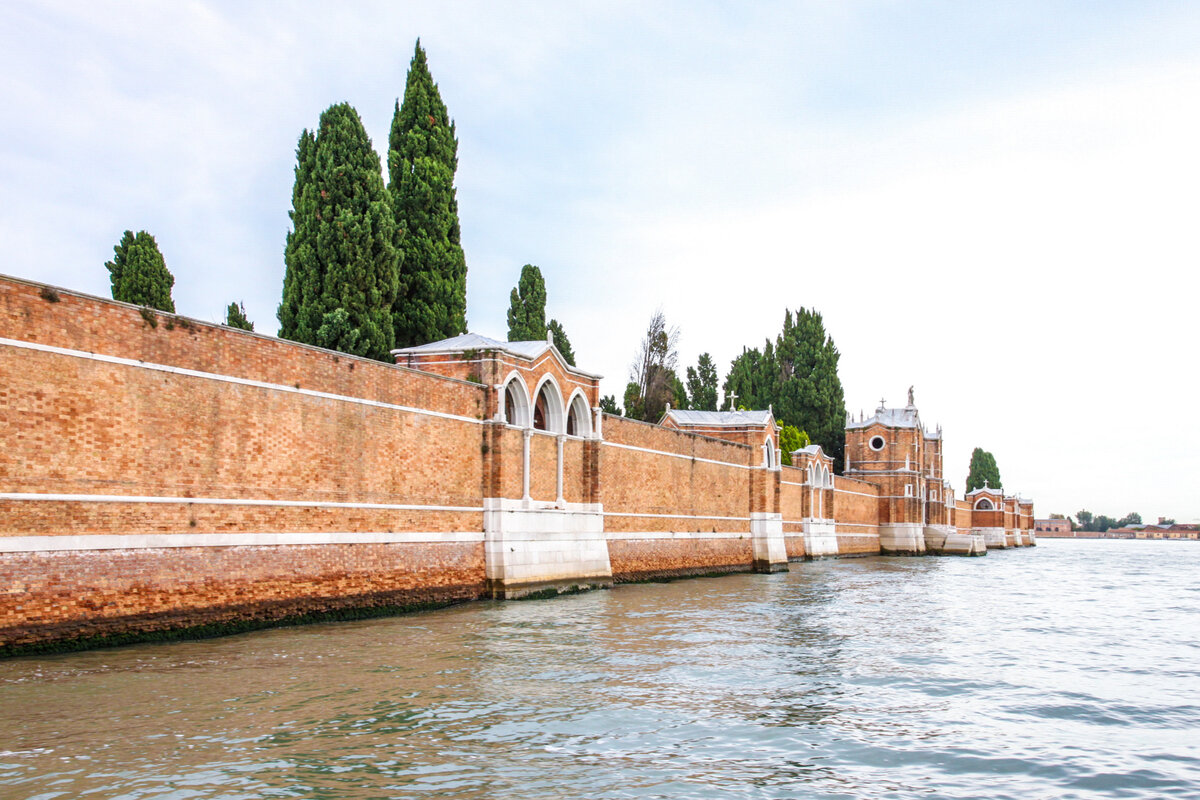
(983, 504)
(516, 403)
(578, 417)
(548, 409)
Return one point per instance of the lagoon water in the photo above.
(1067, 670)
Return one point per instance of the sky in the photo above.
(992, 202)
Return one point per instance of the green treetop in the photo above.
(561, 341)
(422, 160)
(702, 384)
(235, 317)
(139, 273)
(797, 376)
(527, 307)
(983, 468)
(341, 253)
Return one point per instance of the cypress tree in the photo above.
(702, 384)
(422, 160)
(341, 253)
(139, 273)
(235, 317)
(561, 341)
(527, 307)
(797, 375)
(983, 468)
(810, 392)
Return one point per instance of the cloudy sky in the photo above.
(994, 202)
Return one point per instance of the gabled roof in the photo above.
(889, 417)
(720, 419)
(474, 341)
(986, 490)
(813, 450)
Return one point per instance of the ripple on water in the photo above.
(1067, 671)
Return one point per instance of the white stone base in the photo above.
(902, 539)
(770, 551)
(533, 547)
(946, 540)
(1032, 538)
(994, 538)
(820, 538)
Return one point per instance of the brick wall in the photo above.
(69, 594)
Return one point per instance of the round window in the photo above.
(876, 442)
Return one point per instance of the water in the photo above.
(1069, 670)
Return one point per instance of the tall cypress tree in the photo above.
(983, 469)
(797, 374)
(527, 307)
(702, 384)
(561, 341)
(422, 160)
(139, 273)
(341, 253)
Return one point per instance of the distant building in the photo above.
(1053, 528)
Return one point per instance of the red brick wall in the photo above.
(670, 558)
(654, 483)
(71, 594)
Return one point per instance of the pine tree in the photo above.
(235, 317)
(527, 307)
(561, 341)
(983, 468)
(139, 273)
(702, 384)
(422, 160)
(810, 394)
(797, 375)
(341, 252)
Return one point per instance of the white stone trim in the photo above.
(672, 516)
(222, 501)
(153, 541)
(679, 455)
(658, 535)
(213, 376)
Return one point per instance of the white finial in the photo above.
(732, 401)
(549, 336)
(910, 397)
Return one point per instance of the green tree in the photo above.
(792, 439)
(608, 404)
(1086, 521)
(139, 273)
(702, 384)
(679, 396)
(635, 407)
(797, 375)
(983, 468)
(341, 253)
(422, 160)
(561, 341)
(235, 317)
(527, 307)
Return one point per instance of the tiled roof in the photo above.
(474, 341)
(721, 419)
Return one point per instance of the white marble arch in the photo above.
(515, 407)
(548, 398)
(579, 415)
